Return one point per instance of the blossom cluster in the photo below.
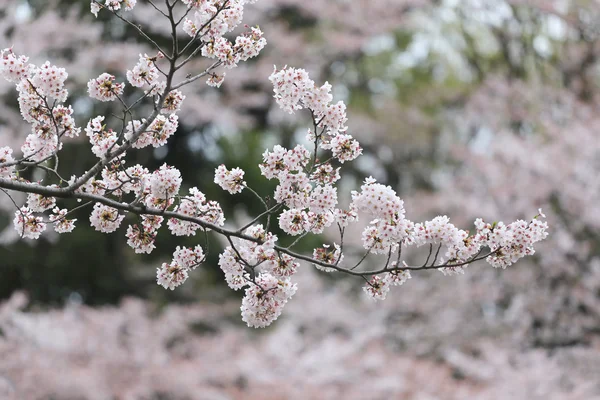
(144, 73)
(176, 272)
(112, 5)
(41, 90)
(210, 20)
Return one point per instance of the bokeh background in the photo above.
(468, 108)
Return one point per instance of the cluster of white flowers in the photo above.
(14, 68)
(165, 182)
(105, 219)
(101, 139)
(41, 91)
(63, 117)
(510, 242)
(104, 88)
(144, 73)
(343, 147)
(328, 255)
(172, 102)
(196, 206)
(113, 5)
(390, 227)
(157, 133)
(232, 266)
(379, 286)
(215, 80)
(210, 21)
(293, 190)
(264, 271)
(6, 158)
(61, 223)
(293, 221)
(50, 80)
(263, 301)
(281, 161)
(230, 180)
(38, 148)
(141, 240)
(31, 103)
(39, 203)
(28, 225)
(176, 272)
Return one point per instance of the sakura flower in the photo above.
(334, 118)
(133, 179)
(115, 5)
(319, 98)
(344, 148)
(161, 129)
(215, 80)
(14, 68)
(377, 241)
(94, 8)
(61, 223)
(38, 203)
(50, 81)
(290, 86)
(325, 174)
(250, 44)
(104, 88)
(397, 277)
(273, 162)
(377, 200)
(293, 222)
(345, 217)
(101, 139)
(317, 222)
(6, 157)
(283, 266)
(264, 301)
(189, 257)
(64, 120)
(152, 222)
(144, 73)
(293, 190)
(105, 219)
(233, 269)
(36, 148)
(27, 225)
(377, 288)
(140, 239)
(195, 205)
(323, 199)
(172, 102)
(165, 182)
(171, 275)
(231, 181)
(328, 255)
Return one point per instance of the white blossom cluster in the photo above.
(210, 20)
(185, 259)
(112, 5)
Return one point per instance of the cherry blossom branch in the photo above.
(305, 199)
(142, 210)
